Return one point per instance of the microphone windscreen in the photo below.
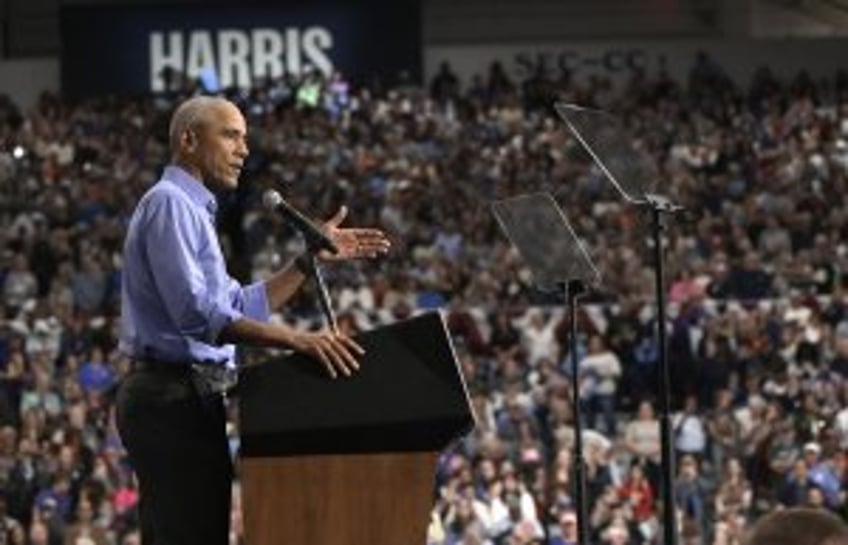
(271, 199)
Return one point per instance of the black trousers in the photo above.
(178, 447)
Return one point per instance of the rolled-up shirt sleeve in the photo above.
(251, 300)
(173, 240)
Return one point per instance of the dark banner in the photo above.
(136, 49)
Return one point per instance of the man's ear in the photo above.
(190, 140)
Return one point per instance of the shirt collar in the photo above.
(194, 188)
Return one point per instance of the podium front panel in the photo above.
(408, 396)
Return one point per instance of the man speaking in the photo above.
(181, 316)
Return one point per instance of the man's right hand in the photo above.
(336, 351)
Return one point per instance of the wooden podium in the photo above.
(350, 461)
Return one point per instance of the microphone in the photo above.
(315, 238)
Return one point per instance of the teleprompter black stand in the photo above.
(540, 231)
(633, 174)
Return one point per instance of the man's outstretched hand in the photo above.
(352, 242)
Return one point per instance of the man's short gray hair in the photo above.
(189, 115)
(798, 526)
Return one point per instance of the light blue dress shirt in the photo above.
(176, 293)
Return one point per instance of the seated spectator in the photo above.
(690, 432)
(825, 473)
(567, 529)
(84, 531)
(602, 370)
(95, 375)
(690, 493)
(637, 492)
(793, 491)
(734, 491)
(642, 441)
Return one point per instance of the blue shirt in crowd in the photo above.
(176, 294)
(95, 376)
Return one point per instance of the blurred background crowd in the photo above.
(758, 326)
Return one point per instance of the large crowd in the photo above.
(758, 330)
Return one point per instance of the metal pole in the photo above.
(323, 294)
(669, 514)
(573, 290)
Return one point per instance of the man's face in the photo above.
(221, 147)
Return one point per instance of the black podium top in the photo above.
(409, 395)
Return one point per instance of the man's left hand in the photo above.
(353, 243)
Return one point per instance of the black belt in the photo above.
(177, 368)
(207, 378)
